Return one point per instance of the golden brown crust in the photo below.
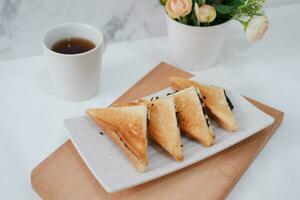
(214, 99)
(191, 117)
(132, 103)
(162, 126)
(140, 165)
(127, 127)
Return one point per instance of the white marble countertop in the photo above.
(31, 115)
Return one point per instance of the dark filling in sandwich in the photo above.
(206, 116)
(204, 110)
(207, 120)
(177, 118)
(228, 101)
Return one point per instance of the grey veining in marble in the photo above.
(22, 23)
(8, 12)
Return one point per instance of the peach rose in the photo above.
(178, 8)
(256, 28)
(205, 13)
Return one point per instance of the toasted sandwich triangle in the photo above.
(215, 99)
(127, 127)
(162, 126)
(192, 118)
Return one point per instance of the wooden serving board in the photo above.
(63, 175)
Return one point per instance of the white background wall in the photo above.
(23, 22)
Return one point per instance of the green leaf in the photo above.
(236, 3)
(163, 2)
(194, 20)
(202, 2)
(223, 9)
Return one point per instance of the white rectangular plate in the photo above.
(113, 170)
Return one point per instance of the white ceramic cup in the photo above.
(195, 48)
(75, 76)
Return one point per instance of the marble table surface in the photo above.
(31, 115)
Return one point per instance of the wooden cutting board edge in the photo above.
(273, 127)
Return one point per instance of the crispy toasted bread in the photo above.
(131, 103)
(218, 104)
(192, 116)
(162, 126)
(127, 127)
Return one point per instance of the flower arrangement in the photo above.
(203, 13)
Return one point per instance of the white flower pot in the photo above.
(195, 48)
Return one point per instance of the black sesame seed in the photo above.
(101, 133)
(171, 93)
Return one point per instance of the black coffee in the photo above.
(72, 46)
